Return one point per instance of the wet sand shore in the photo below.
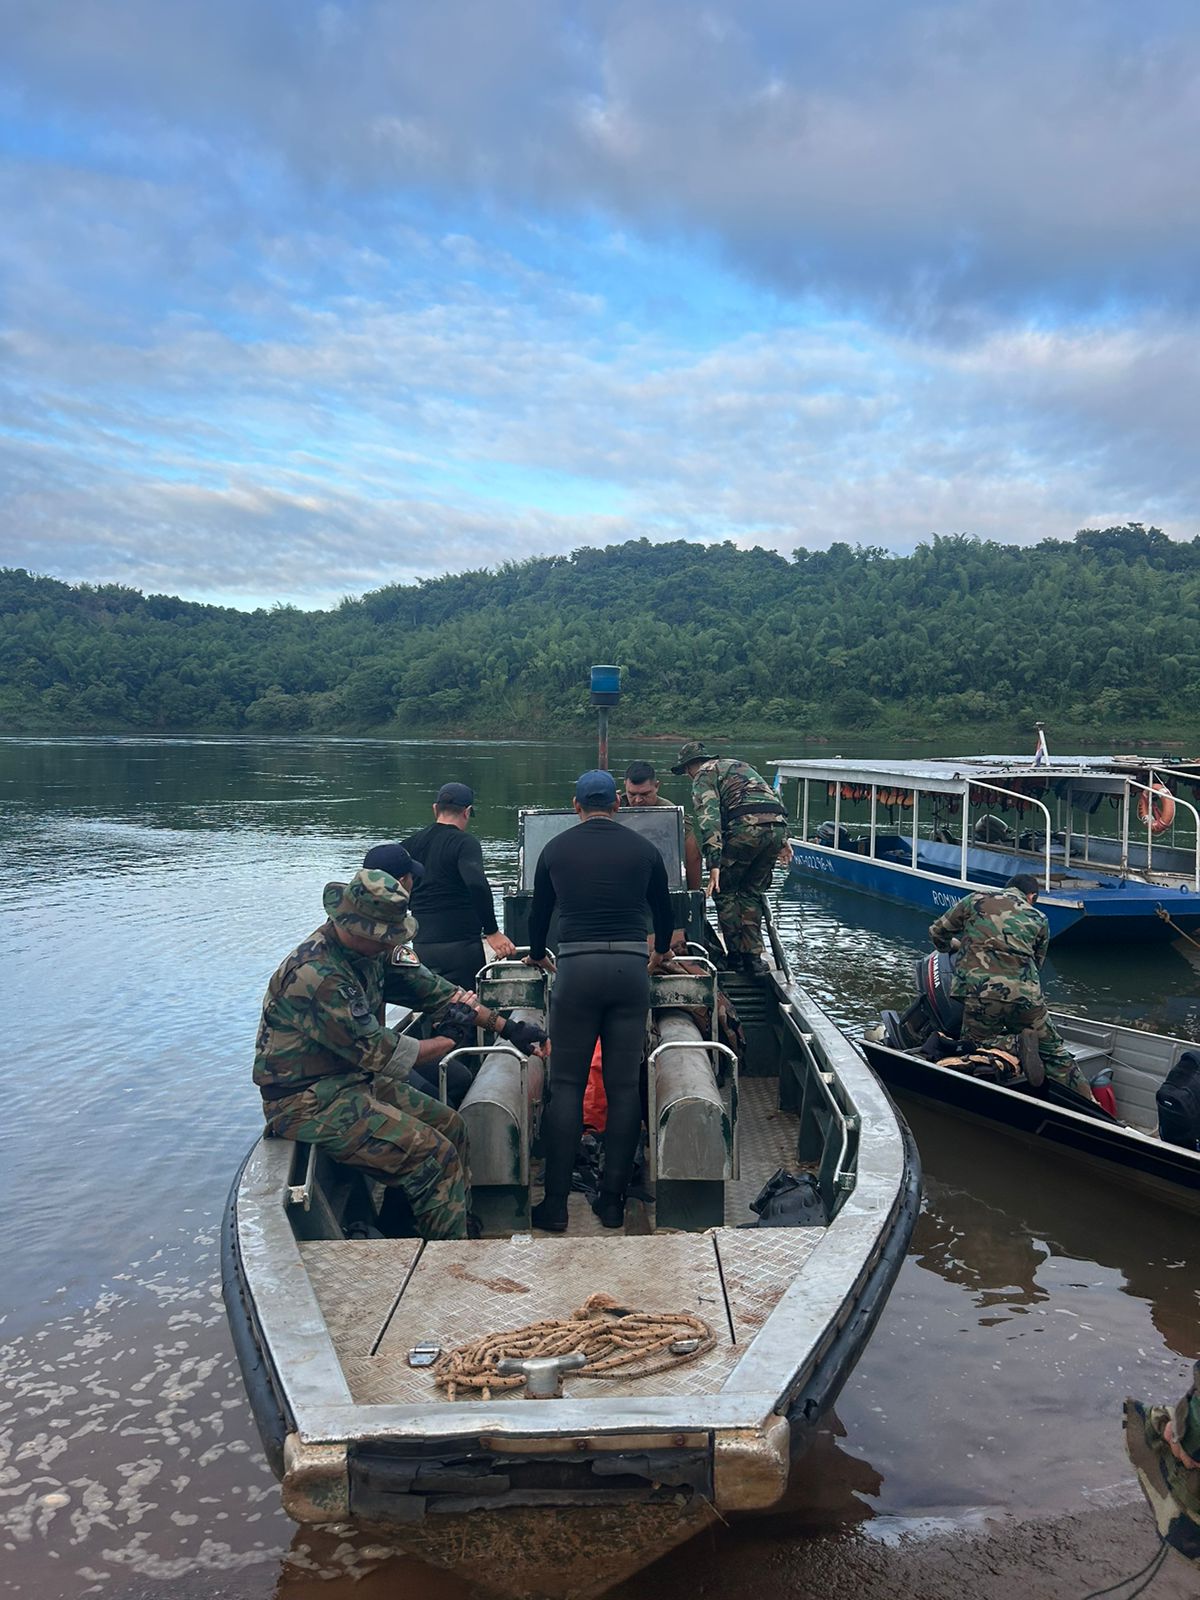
(1056, 1558)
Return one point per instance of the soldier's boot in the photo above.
(1030, 1056)
(756, 965)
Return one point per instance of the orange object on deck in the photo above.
(595, 1101)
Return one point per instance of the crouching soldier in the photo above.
(1001, 939)
(332, 1074)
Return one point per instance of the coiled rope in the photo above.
(617, 1341)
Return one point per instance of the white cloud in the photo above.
(927, 156)
(301, 299)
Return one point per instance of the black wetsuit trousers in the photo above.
(605, 996)
(459, 961)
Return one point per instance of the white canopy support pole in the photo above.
(916, 794)
(804, 813)
(1028, 800)
(1070, 797)
(1187, 805)
(874, 815)
(837, 816)
(966, 829)
(1125, 829)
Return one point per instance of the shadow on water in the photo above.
(1034, 1297)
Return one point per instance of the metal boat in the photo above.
(1133, 1062)
(1113, 840)
(567, 1495)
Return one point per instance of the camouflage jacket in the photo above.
(1000, 935)
(1186, 1417)
(320, 1012)
(723, 790)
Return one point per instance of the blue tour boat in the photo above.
(1113, 840)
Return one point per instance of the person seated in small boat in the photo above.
(1002, 939)
(602, 877)
(332, 1074)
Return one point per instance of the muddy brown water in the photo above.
(149, 888)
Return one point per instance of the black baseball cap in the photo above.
(394, 859)
(456, 795)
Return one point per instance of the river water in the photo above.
(150, 886)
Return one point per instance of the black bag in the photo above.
(1178, 1100)
(788, 1200)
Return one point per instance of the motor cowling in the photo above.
(934, 975)
(933, 1010)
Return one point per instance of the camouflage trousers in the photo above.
(998, 1007)
(747, 859)
(395, 1133)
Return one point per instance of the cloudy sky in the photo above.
(301, 298)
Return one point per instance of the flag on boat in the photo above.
(1041, 756)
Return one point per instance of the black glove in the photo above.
(457, 1022)
(525, 1035)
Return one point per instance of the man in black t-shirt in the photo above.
(452, 902)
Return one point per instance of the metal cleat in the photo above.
(543, 1374)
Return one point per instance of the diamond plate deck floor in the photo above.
(767, 1139)
(463, 1289)
(357, 1282)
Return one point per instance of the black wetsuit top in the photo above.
(453, 900)
(602, 876)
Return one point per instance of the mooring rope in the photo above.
(618, 1342)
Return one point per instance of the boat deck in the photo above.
(380, 1297)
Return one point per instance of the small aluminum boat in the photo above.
(1133, 1062)
(567, 1495)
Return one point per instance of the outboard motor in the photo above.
(934, 1009)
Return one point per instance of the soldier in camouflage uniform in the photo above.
(1002, 939)
(1164, 1446)
(332, 1074)
(742, 827)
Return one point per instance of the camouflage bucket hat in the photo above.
(372, 905)
(692, 751)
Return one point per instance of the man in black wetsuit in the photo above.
(601, 875)
(452, 901)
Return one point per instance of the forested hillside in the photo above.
(1100, 632)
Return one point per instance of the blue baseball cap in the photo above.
(596, 791)
(394, 859)
(456, 795)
